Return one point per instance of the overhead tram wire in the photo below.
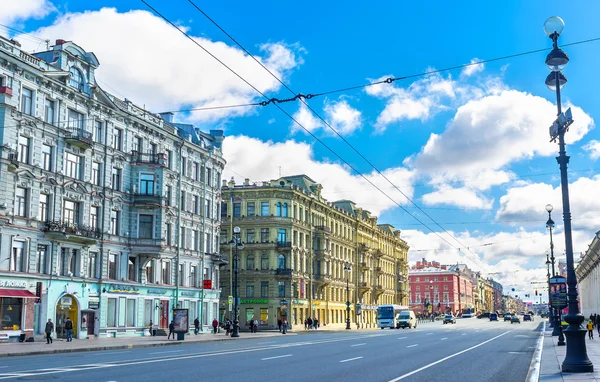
(299, 124)
(302, 99)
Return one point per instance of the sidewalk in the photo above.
(96, 344)
(553, 356)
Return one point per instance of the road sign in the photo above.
(230, 307)
(230, 300)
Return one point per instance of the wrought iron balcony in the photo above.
(74, 232)
(323, 279)
(80, 138)
(13, 159)
(284, 244)
(323, 228)
(148, 158)
(284, 272)
(149, 200)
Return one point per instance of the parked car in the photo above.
(406, 319)
(484, 315)
(467, 315)
(507, 317)
(449, 319)
(528, 317)
(493, 317)
(514, 319)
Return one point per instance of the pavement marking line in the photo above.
(428, 334)
(168, 351)
(278, 356)
(536, 361)
(447, 358)
(402, 338)
(264, 343)
(358, 344)
(350, 359)
(443, 339)
(464, 334)
(412, 346)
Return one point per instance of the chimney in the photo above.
(167, 117)
(59, 41)
(247, 182)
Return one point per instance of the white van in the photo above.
(406, 319)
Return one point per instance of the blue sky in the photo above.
(470, 147)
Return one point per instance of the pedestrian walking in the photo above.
(227, 327)
(284, 326)
(196, 326)
(151, 329)
(69, 329)
(215, 325)
(279, 324)
(49, 329)
(255, 325)
(310, 323)
(306, 324)
(590, 328)
(171, 330)
(316, 324)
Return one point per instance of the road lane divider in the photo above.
(350, 359)
(402, 338)
(444, 339)
(358, 344)
(165, 352)
(447, 358)
(275, 357)
(412, 346)
(536, 360)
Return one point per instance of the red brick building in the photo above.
(436, 288)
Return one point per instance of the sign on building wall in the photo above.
(207, 284)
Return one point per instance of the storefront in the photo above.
(16, 309)
(69, 298)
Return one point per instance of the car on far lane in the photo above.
(507, 317)
(484, 315)
(493, 317)
(514, 319)
(449, 319)
(528, 317)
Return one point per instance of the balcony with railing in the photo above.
(219, 259)
(284, 244)
(284, 272)
(72, 232)
(379, 289)
(364, 287)
(149, 200)
(379, 269)
(13, 160)
(323, 228)
(148, 158)
(323, 279)
(80, 138)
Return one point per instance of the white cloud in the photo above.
(594, 149)
(473, 68)
(342, 117)
(155, 65)
(13, 11)
(461, 197)
(305, 118)
(260, 161)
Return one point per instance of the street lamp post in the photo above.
(236, 243)
(576, 359)
(347, 269)
(556, 319)
(548, 278)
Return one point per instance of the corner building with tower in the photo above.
(297, 245)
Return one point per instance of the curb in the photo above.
(120, 347)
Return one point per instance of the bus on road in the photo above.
(386, 315)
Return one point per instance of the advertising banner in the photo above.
(181, 321)
(558, 292)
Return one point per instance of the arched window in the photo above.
(278, 209)
(281, 262)
(76, 79)
(285, 210)
(264, 262)
(250, 262)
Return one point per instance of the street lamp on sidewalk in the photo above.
(236, 243)
(347, 269)
(556, 320)
(576, 359)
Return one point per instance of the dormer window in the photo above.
(76, 79)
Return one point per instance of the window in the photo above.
(72, 165)
(195, 202)
(250, 209)
(146, 184)
(42, 255)
(281, 289)
(284, 211)
(194, 170)
(445, 287)
(435, 279)
(138, 145)
(16, 259)
(281, 262)
(112, 266)
(49, 111)
(168, 233)
(445, 278)
(224, 210)
(264, 289)
(426, 279)
(181, 275)
(208, 177)
(278, 209)
(264, 262)
(153, 149)
(116, 179)
(282, 235)
(117, 139)
(224, 237)
(418, 279)
(250, 262)
(111, 314)
(264, 209)
(94, 217)
(182, 242)
(76, 79)
(131, 268)
(22, 195)
(46, 157)
(249, 290)
(166, 272)
(193, 277)
(114, 222)
(237, 210)
(182, 201)
(27, 101)
(75, 120)
(146, 226)
(150, 272)
(250, 236)
(207, 212)
(70, 212)
(96, 173)
(446, 297)
(23, 149)
(208, 243)
(74, 263)
(98, 131)
(91, 268)
(130, 321)
(169, 195)
(183, 166)
(264, 235)
(195, 240)
(169, 159)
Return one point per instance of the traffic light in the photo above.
(536, 292)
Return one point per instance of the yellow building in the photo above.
(280, 222)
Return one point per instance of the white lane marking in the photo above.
(351, 359)
(428, 334)
(267, 342)
(464, 334)
(516, 352)
(115, 352)
(401, 338)
(169, 351)
(278, 356)
(412, 346)
(536, 361)
(447, 358)
(358, 344)
(443, 339)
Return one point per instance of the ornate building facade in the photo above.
(297, 250)
(109, 212)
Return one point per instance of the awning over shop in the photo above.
(16, 293)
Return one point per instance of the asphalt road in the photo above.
(471, 349)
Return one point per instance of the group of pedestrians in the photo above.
(426, 317)
(49, 329)
(593, 322)
(309, 324)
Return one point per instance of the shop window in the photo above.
(130, 321)
(264, 315)
(249, 314)
(111, 313)
(10, 313)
